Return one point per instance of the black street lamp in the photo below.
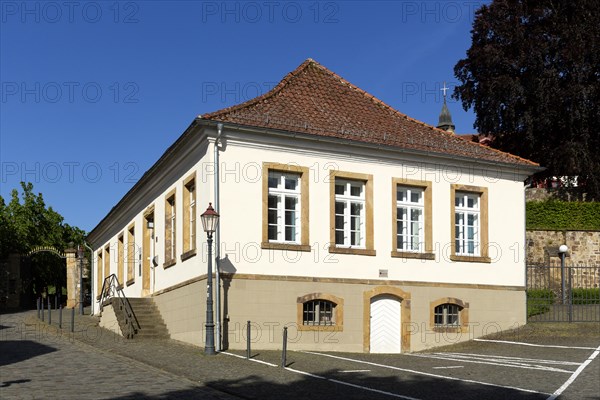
(80, 260)
(210, 220)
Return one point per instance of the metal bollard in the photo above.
(72, 319)
(49, 312)
(248, 341)
(37, 305)
(60, 317)
(284, 352)
(42, 308)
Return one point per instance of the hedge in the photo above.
(586, 296)
(539, 301)
(559, 215)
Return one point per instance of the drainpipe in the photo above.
(91, 275)
(527, 186)
(217, 240)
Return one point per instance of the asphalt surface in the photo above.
(42, 361)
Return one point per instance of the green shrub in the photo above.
(586, 296)
(558, 215)
(539, 301)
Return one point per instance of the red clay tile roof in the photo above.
(313, 100)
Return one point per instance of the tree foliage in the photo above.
(532, 75)
(26, 222)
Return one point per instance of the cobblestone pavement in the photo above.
(38, 361)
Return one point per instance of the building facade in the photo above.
(354, 226)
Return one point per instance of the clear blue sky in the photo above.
(92, 93)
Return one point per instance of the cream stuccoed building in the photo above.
(355, 226)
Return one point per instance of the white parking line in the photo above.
(423, 373)
(500, 361)
(534, 345)
(575, 375)
(356, 370)
(327, 379)
(351, 384)
(450, 367)
(250, 359)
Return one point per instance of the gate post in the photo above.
(72, 278)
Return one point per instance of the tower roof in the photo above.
(445, 120)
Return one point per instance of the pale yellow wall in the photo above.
(241, 221)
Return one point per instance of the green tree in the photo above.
(26, 222)
(532, 75)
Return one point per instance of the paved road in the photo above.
(40, 362)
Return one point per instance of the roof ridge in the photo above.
(289, 77)
(401, 114)
(286, 79)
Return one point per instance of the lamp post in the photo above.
(80, 260)
(562, 251)
(210, 219)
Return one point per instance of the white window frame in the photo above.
(282, 193)
(409, 206)
(191, 187)
(462, 212)
(347, 199)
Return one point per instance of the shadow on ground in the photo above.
(14, 351)
(335, 385)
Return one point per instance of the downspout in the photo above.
(217, 240)
(91, 276)
(527, 186)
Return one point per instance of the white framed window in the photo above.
(192, 215)
(410, 211)
(170, 229)
(467, 218)
(350, 229)
(447, 315)
(284, 207)
(318, 312)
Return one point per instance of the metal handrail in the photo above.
(112, 288)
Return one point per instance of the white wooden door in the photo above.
(385, 324)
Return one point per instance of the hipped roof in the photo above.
(316, 101)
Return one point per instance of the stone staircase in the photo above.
(151, 323)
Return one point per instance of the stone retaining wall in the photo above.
(584, 247)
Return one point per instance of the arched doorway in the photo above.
(386, 319)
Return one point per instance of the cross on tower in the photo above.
(444, 89)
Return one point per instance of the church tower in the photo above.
(445, 120)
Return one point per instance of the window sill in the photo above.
(350, 250)
(321, 328)
(130, 282)
(408, 254)
(449, 329)
(188, 254)
(169, 263)
(284, 246)
(476, 259)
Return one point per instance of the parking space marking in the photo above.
(356, 370)
(297, 371)
(575, 375)
(534, 345)
(501, 361)
(450, 367)
(250, 359)
(424, 373)
(351, 384)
